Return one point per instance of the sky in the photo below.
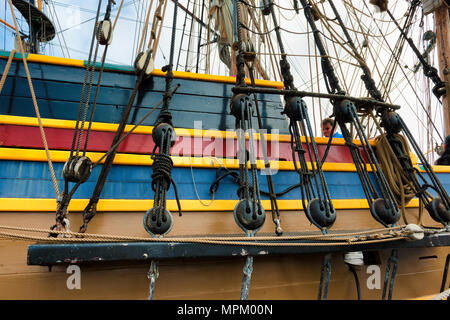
(74, 20)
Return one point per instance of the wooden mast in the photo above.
(442, 19)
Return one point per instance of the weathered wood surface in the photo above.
(274, 277)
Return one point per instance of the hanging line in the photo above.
(316, 197)
(158, 220)
(393, 260)
(428, 70)
(384, 209)
(273, 197)
(78, 168)
(153, 274)
(103, 26)
(84, 100)
(397, 145)
(325, 274)
(163, 135)
(249, 214)
(248, 269)
(319, 211)
(91, 208)
(444, 276)
(6, 70)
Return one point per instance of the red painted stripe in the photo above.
(100, 141)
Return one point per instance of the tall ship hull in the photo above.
(209, 251)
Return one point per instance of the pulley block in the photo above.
(249, 216)
(77, 169)
(265, 6)
(384, 212)
(249, 51)
(139, 63)
(344, 110)
(438, 211)
(161, 131)
(319, 215)
(238, 102)
(158, 225)
(104, 32)
(295, 108)
(391, 122)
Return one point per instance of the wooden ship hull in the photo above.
(117, 269)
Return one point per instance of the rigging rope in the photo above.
(248, 269)
(392, 262)
(248, 213)
(325, 274)
(78, 168)
(338, 239)
(268, 173)
(153, 274)
(6, 70)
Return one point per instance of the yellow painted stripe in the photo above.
(19, 154)
(133, 205)
(111, 127)
(157, 72)
(217, 78)
(145, 160)
(55, 60)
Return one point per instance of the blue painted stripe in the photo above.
(26, 179)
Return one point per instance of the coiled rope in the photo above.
(162, 172)
(400, 184)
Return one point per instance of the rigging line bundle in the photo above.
(429, 71)
(273, 200)
(248, 213)
(319, 209)
(384, 209)
(314, 190)
(77, 169)
(438, 208)
(158, 221)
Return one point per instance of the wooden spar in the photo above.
(442, 19)
(7, 24)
